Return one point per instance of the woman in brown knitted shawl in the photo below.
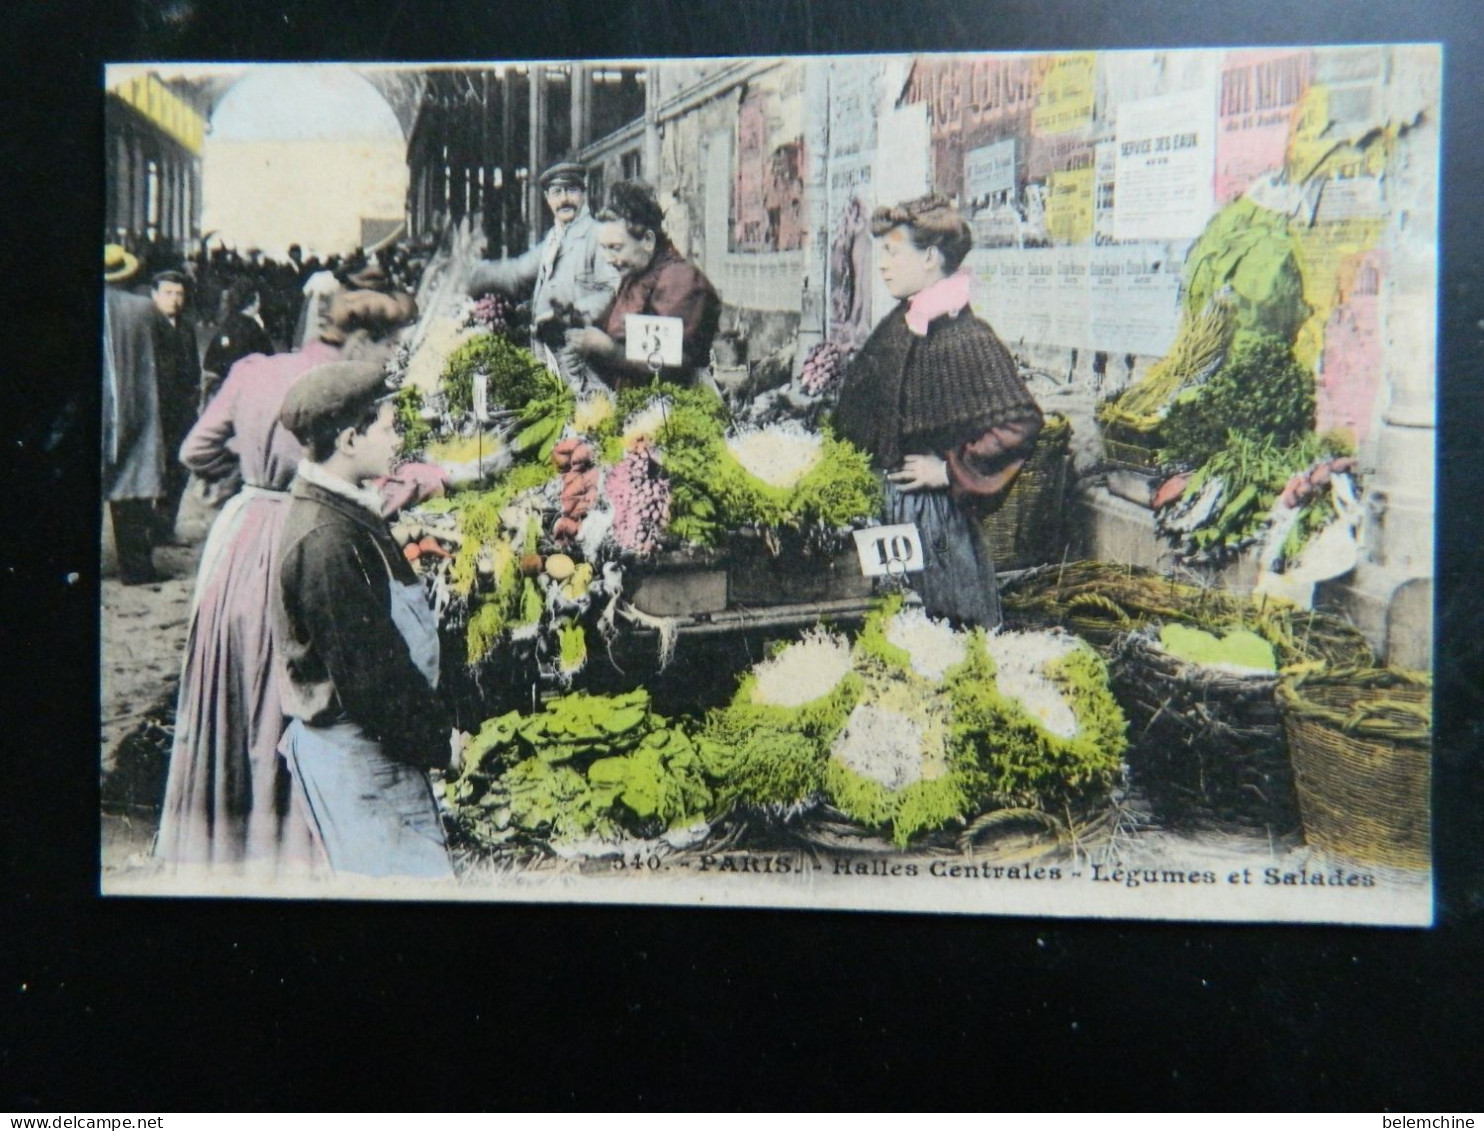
(935, 398)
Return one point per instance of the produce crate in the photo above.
(1025, 528)
(678, 583)
(756, 576)
(1207, 745)
(1362, 756)
(1129, 447)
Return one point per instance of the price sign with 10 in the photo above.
(889, 550)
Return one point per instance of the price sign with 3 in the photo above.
(652, 339)
(889, 550)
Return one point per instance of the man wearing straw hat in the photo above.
(569, 282)
(133, 446)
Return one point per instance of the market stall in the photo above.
(662, 634)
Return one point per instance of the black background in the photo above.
(176, 1005)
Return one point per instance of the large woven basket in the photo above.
(1102, 602)
(1361, 744)
(1026, 528)
(1207, 745)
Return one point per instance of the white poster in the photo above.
(1133, 298)
(989, 171)
(902, 137)
(1164, 164)
(1105, 162)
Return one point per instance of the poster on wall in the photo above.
(1163, 166)
(1030, 510)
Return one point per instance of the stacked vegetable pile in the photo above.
(778, 477)
(919, 726)
(588, 766)
(913, 728)
(1242, 280)
(1247, 433)
(566, 492)
(1230, 409)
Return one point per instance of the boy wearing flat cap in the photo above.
(359, 640)
(569, 281)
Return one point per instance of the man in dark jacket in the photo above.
(178, 374)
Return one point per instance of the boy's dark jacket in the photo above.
(346, 660)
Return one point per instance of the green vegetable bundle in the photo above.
(765, 754)
(1228, 500)
(518, 383)
(1247, 249)
(838, 490)
(515, 375)
(415, 432)
(1199, 346)
(1240, 648)
(1023, 762)
(586, 765)
(1260, 391)
(1242, 280)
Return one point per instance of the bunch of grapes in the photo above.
(494, 312)
(640, 495)
(822, 368)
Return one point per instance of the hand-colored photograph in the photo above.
(994, 484)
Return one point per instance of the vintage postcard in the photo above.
(975, 483)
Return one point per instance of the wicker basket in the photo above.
(1361, 743)
(1102, 602)
(1025, 529)
(1207, 744)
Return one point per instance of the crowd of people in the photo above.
(308, 712)
(217, 277)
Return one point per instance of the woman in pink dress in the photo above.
(226, 798)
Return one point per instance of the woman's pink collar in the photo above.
(946, 296)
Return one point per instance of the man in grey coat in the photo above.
(569, 281)
(133, 444)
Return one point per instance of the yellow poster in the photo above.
(1065, 101)
(1069, 205)
(1323, 251)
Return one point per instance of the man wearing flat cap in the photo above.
(359, 640)
(569, 281)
